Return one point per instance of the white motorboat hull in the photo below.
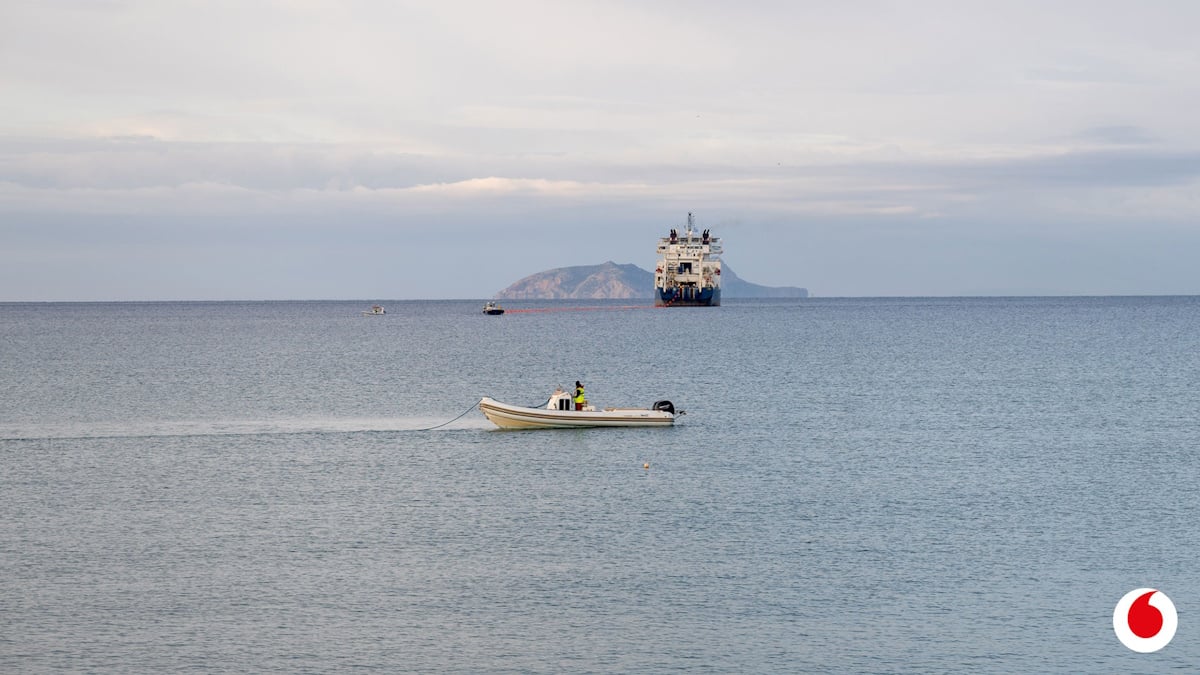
(508, 416)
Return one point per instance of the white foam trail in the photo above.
(169, 428)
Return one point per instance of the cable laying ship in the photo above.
(689, 271)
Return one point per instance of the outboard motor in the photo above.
(665, 406)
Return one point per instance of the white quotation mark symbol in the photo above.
(1145, 620)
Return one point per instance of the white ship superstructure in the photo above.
(689, 271)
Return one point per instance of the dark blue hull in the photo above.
(687, 297)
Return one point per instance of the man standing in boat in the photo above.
(579, 399)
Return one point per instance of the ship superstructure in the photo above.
(688, 272)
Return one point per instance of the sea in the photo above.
(892, 485)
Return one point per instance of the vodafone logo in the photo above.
(1145, 620)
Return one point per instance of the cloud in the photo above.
(826, 176)
(1120, 134)
(493, 185)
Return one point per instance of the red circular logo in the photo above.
(1145, 620)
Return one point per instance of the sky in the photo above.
(388, 149)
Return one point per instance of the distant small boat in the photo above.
(559, 413)
(493, 309)
(376, 310)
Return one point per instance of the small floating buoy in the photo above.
(646, 465)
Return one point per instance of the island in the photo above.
(610, 280)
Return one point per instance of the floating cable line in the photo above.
(439, 426)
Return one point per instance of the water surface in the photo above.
(860, 485)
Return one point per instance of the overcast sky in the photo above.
(444, 149)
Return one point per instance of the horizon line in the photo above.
(485, 299)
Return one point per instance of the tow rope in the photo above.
(473, 406)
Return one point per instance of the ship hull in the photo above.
(508, 416)
(687, 297)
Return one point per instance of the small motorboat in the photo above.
(376, 310)
(560, 413)
(493, 309)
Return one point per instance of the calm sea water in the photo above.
(893, 485)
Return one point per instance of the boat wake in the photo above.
(185, 428)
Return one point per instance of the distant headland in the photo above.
(612, 281)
